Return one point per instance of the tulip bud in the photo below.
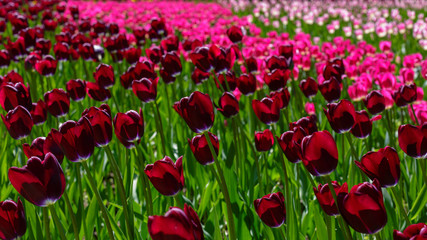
(200, 148)
(228, 105)
(341, 115)
(166, 176)
(197, 111)
(271, 209)
(12, 217)
(264, 140)
(413, 140)
(325, 198)
(18, 122)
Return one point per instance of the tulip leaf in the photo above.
(321, 230)
(419, 204)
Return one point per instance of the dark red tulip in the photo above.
(40, 182)
(200, 148)
(176, 224)
(76, 89)
(282, 96)
(309, 87)
(307, 123)
(226, 80)
(100, 120)
(129, 127)
(140, 35)
(319, 153)
(197, 111)
(198, 76)
(166, 176)
(57, 101)
(271, 209)
(145, 89)
(383, 165)
(330, 90)
(276, 62)
(86, 51)
(413, 140)
(154, 54)
(363, 125)
(12, 218)
(13, 77)
(246, 84)
(406, 94)
(375, 102)
(416, 231)
(221, 59)
(325, 198)
(290, 143)
(363, 207)
(334, 69)
(170, 44)
(341, 116)
(166, 77)
(267, 110)
(51, 146)
(252, 65)
(12, 95)
(113, 28)
(264, 140)
(277, 79)
(287, 51)
(200, 58)
(96, 92)
(191, 44)
(18, 122)
(43, 45)
(39, 112)
(75, 139)
(46, 66)
(132, 55)
(228, 105)
(235, 34)
(104, 75)
(35, 149)
(4, 58)
(172, 64)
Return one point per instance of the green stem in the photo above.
(399, 201)
(328, 226)
(99, 199)
(79, 183)
(122, 193)
(73, 217)
(46, 223)
(57, 222)
(160, 128)
(145, 182)
(266, 178)
(313, 184)
(224, 189)
(415, 116)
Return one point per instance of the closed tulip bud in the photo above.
(341, 116)
(290, 143)
(132, 55)
(166, 176)
(228, 105)
(12, 95)
(383, 165)
(104, 75)
(264, 140)
(375, 102)
(35, 149)
(277, 79)
(166, 77)
(154, 54)
(267, 110)
(246, 84)
(61, 50)
(363, 125)
(200, 148)
(51, 146)
(97, 93)
(100, 120)
(76, 89)
(4, 58)
(406, 94)
(200, 58)
(40, 182)
(309, 87)
(172, 64)
(412, 232)
(12, 217)
(145, 89)
(271, 209)
(197, 111)
(330, 90)
(363, 207)
(325, 198)
(39, 112)
(186, 225)
(235, 34)
(252, 65)
(198, 76)
(282, 96)
(307, 123)
(18, 122)
(319, 153)
(43, 45)
(75, 139)
(57, 101)
(129, 127)
(413, 140)
(47, 66)
(227, 81)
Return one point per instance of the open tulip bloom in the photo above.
(213, 120)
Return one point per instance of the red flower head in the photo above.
(277, 79)
(375, 102)
(132, 55)
(57, 101)
(145, 89)
(406, 94)
(39, 112)
(199, 76)
(283, 96)
(226, 80)
(76, 89)
(40, 182)
(104, 75)
(252, 64)
(154, 54)
(96, 92)
(264, 140)
(330, 89)
(166, 176)
(200, 58)
(325, 198)
(363, 207)
(267, 110)
(246, 84)
(186, 225)
(47, 66)
(290, 143)
(341, 115)
(100, 120)
(12, 95)
(228, 105)
(171, 64)
(197, 111)
(271, 209)
(413, 140)
(363, 125)
(309, 87)
(12, 217)
(412, 232)
(18, 122)
(235, 34)
(200, 148)
(129, 127)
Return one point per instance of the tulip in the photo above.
(307, 123)
(287, 51)
(363, 125)
(14, 94)
(226, 80)
(172, 64)
(375, 102)
(200, 148)
(271, 209)
(12, 218)
(290, 143)
(228, 105)
(104, 75)
(145, 89)
(13, 77)
(100, 120)
(325, 198)
(169, 44)
(413, 140)
(246, 84)
(363, 207)
(176, 224)
(319, 153)
(222, 60)
(4, 58)
(309, 87)
(282, 96)
(267, 110)
(18, 122)
(132, 55)
(39, 112)
(200, 58)
(341, 115)
(166, 77)
(36, 148)
(57, 101)
(330, 90)
(198, 76)
(264, 140)
(51, 146)
(46, 66)
(252, 65)
(166, 176)
(76, 89)
(277, 78)
(276, 62)
(197, 111)
(129, 127)
(97, 93)
(406, 94)
(412, 232)
(75, 139)
(235, 34)
(61, 50)
(40, 182)
(154, 54)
